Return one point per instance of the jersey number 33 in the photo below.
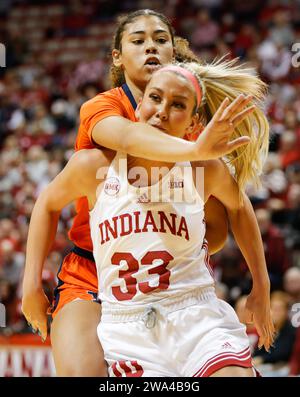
(133, 267)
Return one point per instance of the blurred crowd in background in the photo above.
(58, 56)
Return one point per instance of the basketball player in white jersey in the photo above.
(160, 314)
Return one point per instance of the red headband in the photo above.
(189, 76)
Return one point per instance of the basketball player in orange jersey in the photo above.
(171, 324)
(144, 41)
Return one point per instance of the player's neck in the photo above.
(136, 92)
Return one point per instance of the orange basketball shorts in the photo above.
(77, 280)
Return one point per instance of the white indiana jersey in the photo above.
(148, 243)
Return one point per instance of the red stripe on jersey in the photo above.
(128, 371)
(125, 367)
(139, 370)
(225, 363)
(220, 360)
(116, 371)
(244, 354)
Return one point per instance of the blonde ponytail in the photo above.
(221, 79)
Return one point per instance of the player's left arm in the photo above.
(219, 183)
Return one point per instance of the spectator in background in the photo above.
(291, 284)
(294, 363)
(275, 251)
(206, 32)
(276, 60)
(76, 18)
(228, 29)
(293, 173)
(292, 120)
(281, 31)
(287, 216)
(11, 264)
(64, 114)
(7, 295)
(295, 251)
(91, 71)
(36, 164)
(289, 150)
(16, 47)
(228, 271)
(42, 122)
(245, 39)
(293, 212)
(281, 351)
(274, 180)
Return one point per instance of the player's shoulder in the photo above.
(210, 166)
(106, 96)
(215, 171)
(88, 160)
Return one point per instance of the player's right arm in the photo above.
(142, 140)
(77, 179)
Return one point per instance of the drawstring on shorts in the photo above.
(149, 317)
(150, 314)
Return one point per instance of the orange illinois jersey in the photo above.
(115, 102)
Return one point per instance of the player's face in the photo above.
(146, 46)
(168, 104)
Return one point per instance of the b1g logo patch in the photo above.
(176, 184)
(112, 186)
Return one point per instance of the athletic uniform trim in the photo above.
(83, 253)
(129, 95)
(65, 292)
(135, 312)
(242, 358)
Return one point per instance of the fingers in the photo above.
(236, 143)
(220, 110)
(43, 330)
(227, 118)
(270, 332)
(265, 341)
(236, 106)
(266, 334)
(33, 327)
(39, 327)
(242, 115)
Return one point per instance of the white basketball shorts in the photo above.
(192, 335)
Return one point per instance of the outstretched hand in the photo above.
(214, 142)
